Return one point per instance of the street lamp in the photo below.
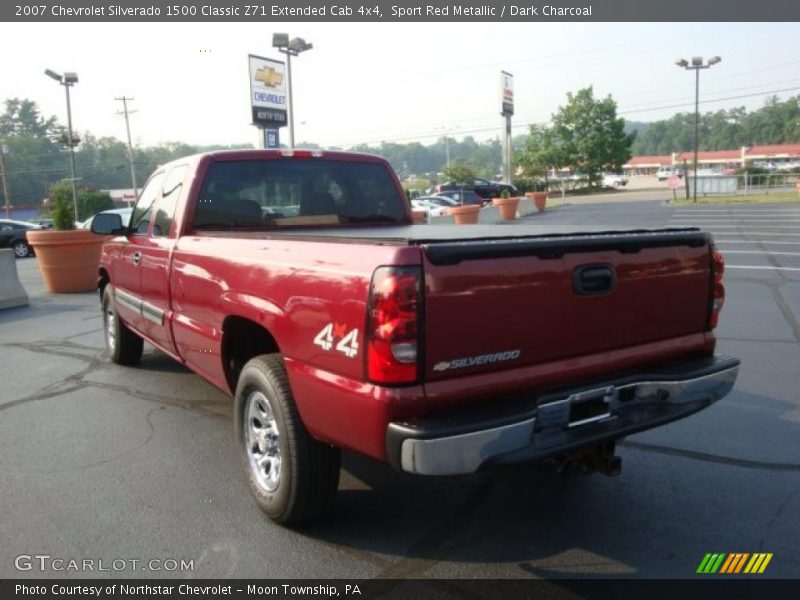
(68, 80)
(696, 65)
(290, 48)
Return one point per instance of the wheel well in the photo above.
(242, 339)
(102, 281)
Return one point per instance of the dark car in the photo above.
(482, 187)
(462, 196)
(12, 235)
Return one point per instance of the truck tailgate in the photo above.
(498, 304)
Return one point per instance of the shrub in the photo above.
(61, 209)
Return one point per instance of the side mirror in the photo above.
(107, 224)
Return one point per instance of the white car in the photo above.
(665, 173)
(433, 206)
(614, 180)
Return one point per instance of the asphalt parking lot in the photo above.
(101, 461)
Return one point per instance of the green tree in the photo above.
(461, 174)
(588, 136)
(539, 154)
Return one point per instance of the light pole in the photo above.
(126, 112)
(447, 131)
(696, 65)
(68, 80)
(4, 177)
(290, 49)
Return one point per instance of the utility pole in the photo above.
(124, 101)
(4, 177)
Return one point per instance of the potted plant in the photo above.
(67, 257)
(539, 199)
(462, 174)
(507, 205)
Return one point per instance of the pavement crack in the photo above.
(47, 347)
(713, 458)
(150, 434)
(781, 507)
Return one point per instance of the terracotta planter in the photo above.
(67, 259)
(539, 199)
(466, 214)
(419, 216)
(507, 207)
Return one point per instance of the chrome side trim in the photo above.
(127, 300)
(149, 311)
(152, 313)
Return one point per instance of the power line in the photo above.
(524, 125)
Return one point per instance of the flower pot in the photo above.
(507, 207)
(539, 199)
(466, 214)
(67, 260)
(419, 216)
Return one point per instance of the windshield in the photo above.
(295, 192)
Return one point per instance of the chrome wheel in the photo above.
(262, 441)
(21, 250)
(111, 329)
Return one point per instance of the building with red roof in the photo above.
(725, 159)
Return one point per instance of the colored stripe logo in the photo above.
(733, 563)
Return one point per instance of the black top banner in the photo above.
(398, 11)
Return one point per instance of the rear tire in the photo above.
(292, 476)
(123, 345)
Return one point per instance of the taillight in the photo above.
(393, 325)
(717, 287)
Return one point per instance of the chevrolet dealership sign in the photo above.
(267, 91)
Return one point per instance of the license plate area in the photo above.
(588, 407)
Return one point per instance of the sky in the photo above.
(373, 82)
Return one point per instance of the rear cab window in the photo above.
(256, 194)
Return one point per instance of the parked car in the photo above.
(614, 180)
(432, 207)
(482, 187)
(438, 350)
(665, 173)
(43, 223)
(464, 197)
(12, 235)
(124, 213)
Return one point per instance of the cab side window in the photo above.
(168, 200)
(142, 212)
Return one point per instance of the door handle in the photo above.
(136, 258)
(593, 280)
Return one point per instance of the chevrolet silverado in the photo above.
(296, 282)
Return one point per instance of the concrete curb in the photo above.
(12, 294)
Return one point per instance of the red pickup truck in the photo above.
(296, 281)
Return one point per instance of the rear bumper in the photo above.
(533, 428)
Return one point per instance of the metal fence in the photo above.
(767, 183)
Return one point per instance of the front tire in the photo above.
(123, 345)
(21, 249)
(292, 476)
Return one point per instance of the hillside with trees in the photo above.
(35, 155)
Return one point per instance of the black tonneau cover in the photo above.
(449, 244)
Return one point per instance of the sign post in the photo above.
(507, 103)
(268, 97)
(674, 182)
